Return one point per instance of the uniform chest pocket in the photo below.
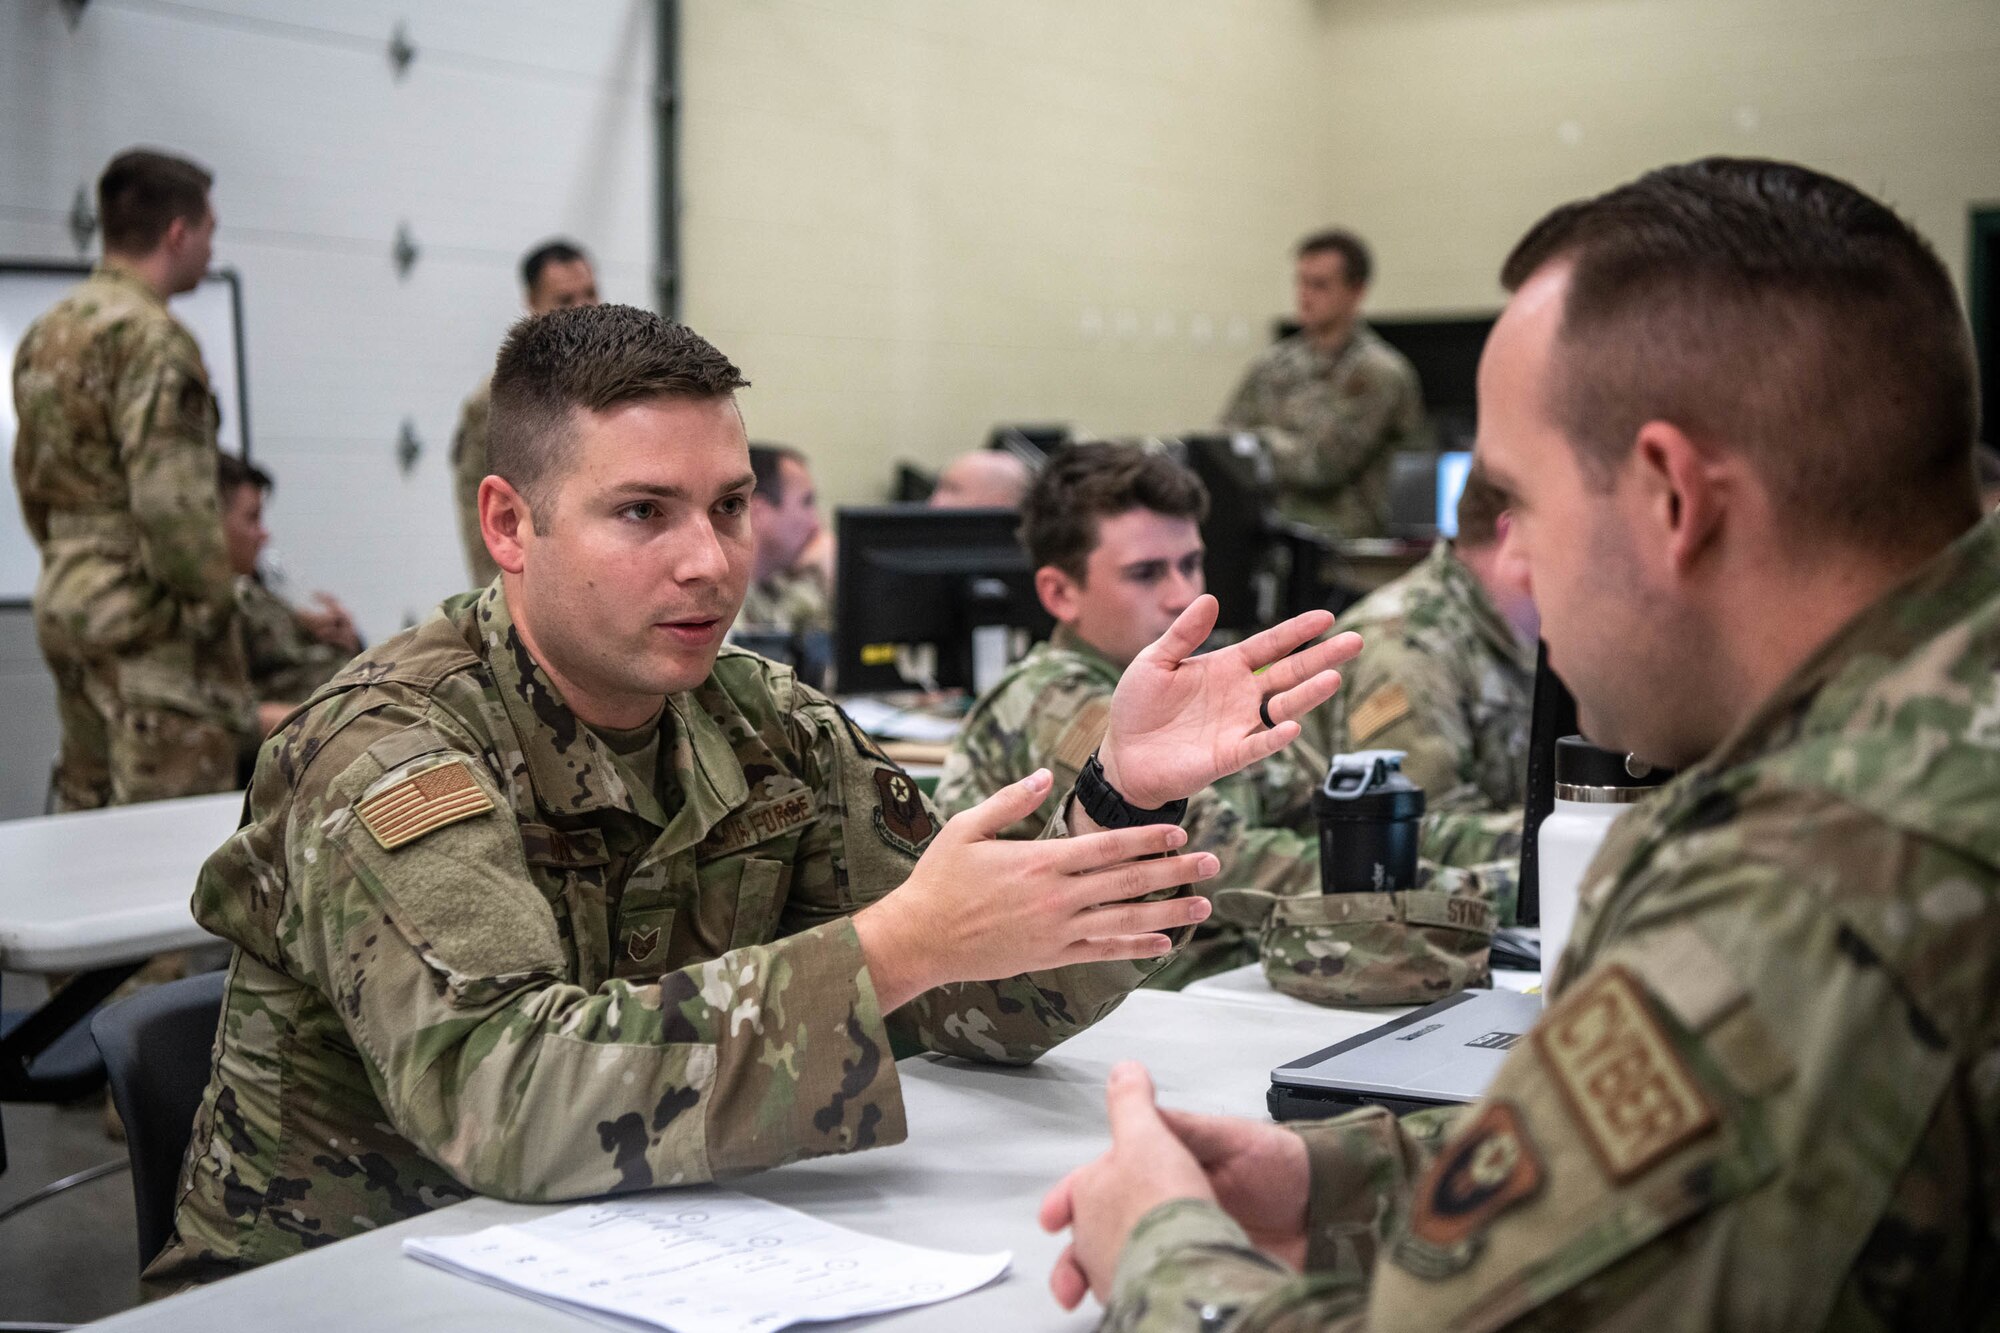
(569, 868)
(738, 904)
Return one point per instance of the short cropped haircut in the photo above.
(556, 251)
(1083, 483)
(766, 461)
(1480, 505)
(1768, 309)
(1356, 261)
(141, 193)
(231, 472)
(587, 359)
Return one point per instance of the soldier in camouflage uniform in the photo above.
(554, 276)
(1448, 679)
(114, 463)
(787, 594)
(1332, 401)
(1766, 1092)
(289, 652)
(1126, 521)
(543, 899)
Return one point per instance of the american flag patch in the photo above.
(422, 802)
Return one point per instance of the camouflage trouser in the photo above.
(117, 749)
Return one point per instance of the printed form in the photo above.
(706, 1260)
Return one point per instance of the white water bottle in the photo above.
(1593, 787)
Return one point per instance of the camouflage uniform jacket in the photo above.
(795, 602)
(1444, 678)
(1767, 1092)
(114, 462)
(472, 958)
(468, 469)
(1050, 711)
(1332, 419)
(286, 662)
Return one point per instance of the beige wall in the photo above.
(909, 219)
(1464, 120)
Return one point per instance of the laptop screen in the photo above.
(1451, 473)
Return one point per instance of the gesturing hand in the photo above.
(1179, 722)
(978, 907)
(1257, 1172)
(1102, 1201)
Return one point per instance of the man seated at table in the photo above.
(788, 592)
(1449, 679)
(1113, 531)
(1732, 407)
(550, 897)
(290, 651)
(982, 479)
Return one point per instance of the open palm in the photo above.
(1179, 721)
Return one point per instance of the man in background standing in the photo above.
(115, 465)
(1333, 401)
(554, 275)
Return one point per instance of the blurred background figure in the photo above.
(984, 478)
(788, 593)
(289, 651)
(115, 464)
(554, 275)
(1333, 401)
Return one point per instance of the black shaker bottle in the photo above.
(1369, 818)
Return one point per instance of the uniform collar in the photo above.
(1824, 695)
(1066, 640)
(1457, 576)
(113, 272)
(573, 772)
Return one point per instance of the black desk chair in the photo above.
(156, 1048)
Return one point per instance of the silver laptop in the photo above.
(1443, 1054)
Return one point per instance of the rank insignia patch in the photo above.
(640, 947)
(1378, 712)
(1488, 1169)
(407, 810)
(1632, 1094)
(900, 817)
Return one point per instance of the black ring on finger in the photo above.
(1264, 712)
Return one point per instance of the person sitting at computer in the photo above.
(982, 479)
(788, 593)
(1113, 533)
(290, 651)
(1449, 679)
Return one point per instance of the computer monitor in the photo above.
(1237, 534)
(1452, 470)
(1423, 493)
(931, 598)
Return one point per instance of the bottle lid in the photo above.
(1585, 772)
(1368, 785)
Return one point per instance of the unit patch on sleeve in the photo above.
(1483, 1172)
(900, 816)
(1631, 1092)
(405, 811)
(1378, 712)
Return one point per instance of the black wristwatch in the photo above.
(1101, 801)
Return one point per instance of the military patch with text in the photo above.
(759, 823)
(1483, 1172)
(900, 817)
(1630, 1091)
(421, 803)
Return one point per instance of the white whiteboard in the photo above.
(213, 312)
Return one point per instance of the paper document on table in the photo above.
(706, 1261)
(886, 722)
